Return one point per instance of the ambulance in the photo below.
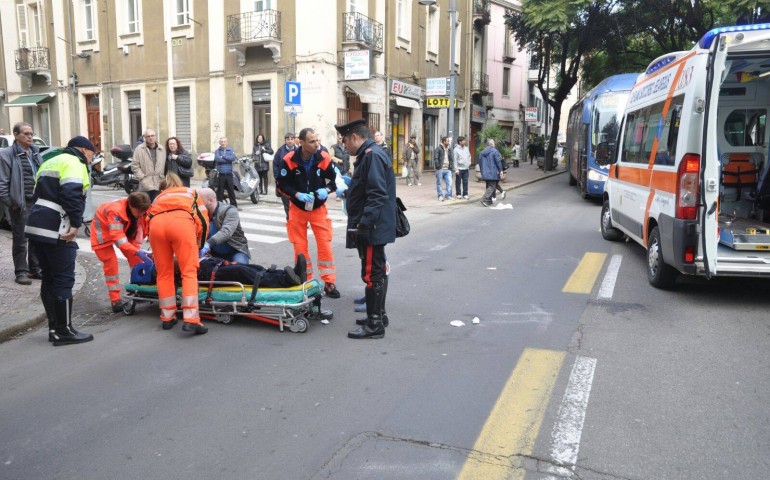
(687, 173)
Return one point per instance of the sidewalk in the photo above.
(21, 309)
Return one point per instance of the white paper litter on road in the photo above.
(502, 206)
(325, 321)
(491, 268)
(476, 320)
(457, 323)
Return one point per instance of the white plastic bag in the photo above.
(404, 172)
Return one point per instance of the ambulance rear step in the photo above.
(743, 233)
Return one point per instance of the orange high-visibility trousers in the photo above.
(321, 224)
(109, 260)
(173, 233)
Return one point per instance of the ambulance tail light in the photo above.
(688, 180)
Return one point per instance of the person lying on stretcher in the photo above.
(218, 269)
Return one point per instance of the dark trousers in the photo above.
(57, 262)
(152, 194)
(24, 258)
(226, 181)
(372, 262)
(263, 182)
(461, 177)
(490, 191)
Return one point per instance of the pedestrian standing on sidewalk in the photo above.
(444, 163)
(224, 157)
(371, 205)
(306, 179)
(148, 164)
(178, 160)
(491, 166)
(288, 147)
(379, 139)
(463, 164)
(341, 156)
(19, 164)
(261, 147)
(60, 192)
(120, 223)
(411, 158)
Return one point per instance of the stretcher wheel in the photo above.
(299, 325)
(87, 230)
(224, 318)
(129, 307)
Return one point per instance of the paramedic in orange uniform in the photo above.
(120, 223)
(306, 178)
(177, 225)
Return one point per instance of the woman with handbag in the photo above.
(178, 160)
(260, 163)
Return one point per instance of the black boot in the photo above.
(373, 328)
(301, 268)
(383, 313)
(50, 312)
(64, 334)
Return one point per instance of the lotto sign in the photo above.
(530, 114)
(438, 102)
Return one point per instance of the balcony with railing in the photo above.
(361, 31)
(33, 60)
(479, 83)
(254, 29)
(481, 14)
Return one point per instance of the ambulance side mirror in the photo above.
(605, 153)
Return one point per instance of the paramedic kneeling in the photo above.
(120, 223)
(177, 226)
(371, 206)
(226, 238)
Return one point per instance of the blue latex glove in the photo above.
(321, 193)
(144, 255)
(204, 250)
(347, 179)
(304, 197)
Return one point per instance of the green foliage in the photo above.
(496, 133)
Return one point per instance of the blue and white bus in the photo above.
(594, 119)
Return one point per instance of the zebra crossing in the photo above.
(260, 223)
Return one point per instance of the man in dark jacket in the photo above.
(226, 238)
(491, 166)
(444, 163)
(224, 157)
(306, 178)
(18, 167)
(371, 206)
(288, 147)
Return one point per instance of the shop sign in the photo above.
(408, 90)
(530, 114)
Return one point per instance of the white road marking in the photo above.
(608, 284)
(566, 433)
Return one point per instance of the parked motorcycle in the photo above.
(127, 181)
(112, 175)
(246, 182)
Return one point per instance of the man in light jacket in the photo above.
(149, 164)
(462, 164)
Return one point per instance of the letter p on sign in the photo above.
(293, 93)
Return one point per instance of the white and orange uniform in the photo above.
(109, 227)
(178, 224)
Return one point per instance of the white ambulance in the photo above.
(687, 178)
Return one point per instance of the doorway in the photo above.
(93, 119)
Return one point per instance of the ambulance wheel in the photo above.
(659, 274)
(224, 318)
(129, 307)
(609, 232)
(299, 326)
(254, 197)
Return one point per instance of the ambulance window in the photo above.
(746, 128)
(633, 137)
(669, 134)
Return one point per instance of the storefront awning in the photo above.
(407, 102)
(29, 100)
(366, 94)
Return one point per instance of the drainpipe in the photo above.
(73, 76)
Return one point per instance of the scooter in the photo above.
(127, 181)
(246, 184)
(109, 175)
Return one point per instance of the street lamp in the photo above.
(452, 74)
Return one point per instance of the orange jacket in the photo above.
(181, 199)
(110, 226)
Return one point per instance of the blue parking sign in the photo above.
(293, 93)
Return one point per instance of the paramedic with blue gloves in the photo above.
(54, 220)
(226, 238)
(224, 157)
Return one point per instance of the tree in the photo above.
(562, 33)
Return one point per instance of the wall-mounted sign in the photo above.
(398, 87)
(478, 114)
(530, 114)
(438, 102)
(357, 64)
(435, 87)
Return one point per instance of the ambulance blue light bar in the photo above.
(660, 64)
(709, 37)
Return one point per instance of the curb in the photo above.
(9, 332)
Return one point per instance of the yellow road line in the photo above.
(583, 278)
(514, 423)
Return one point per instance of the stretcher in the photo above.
(223, 301)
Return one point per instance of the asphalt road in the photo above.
(676, 384)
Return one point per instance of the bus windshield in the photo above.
(608, 108)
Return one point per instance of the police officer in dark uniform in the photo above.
(371, 205)
(54, 220)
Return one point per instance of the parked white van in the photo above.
(688, 178)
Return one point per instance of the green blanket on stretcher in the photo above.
(231, 293)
